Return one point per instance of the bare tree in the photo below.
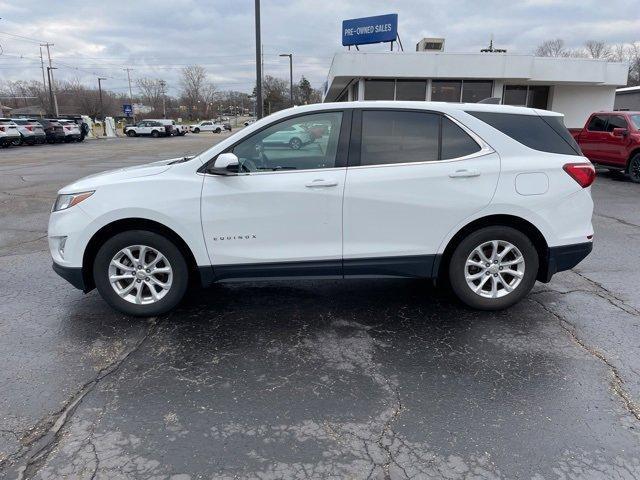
(597, 49)
(630, 53)
(552, 48)
(193, 83)
(151, 92)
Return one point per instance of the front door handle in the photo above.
(464, 173)
(321, 183)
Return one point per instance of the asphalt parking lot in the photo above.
(311, 379)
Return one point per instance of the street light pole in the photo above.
(51, 102)
(164, 106)
(258, 63)
(290, 55)
(104, 120)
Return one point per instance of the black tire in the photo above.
(175, 258)
(295, 143)
(457, 268)
(131, 133)
(155, 134)
(16, 142)
(196, 130)
(218, 130)
(633, 170)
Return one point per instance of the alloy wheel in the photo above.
(634, 169)
(140, 274)
(494, 269)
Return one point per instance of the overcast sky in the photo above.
(157, 38)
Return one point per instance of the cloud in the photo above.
(158, 38)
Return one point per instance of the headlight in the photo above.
(68, 200)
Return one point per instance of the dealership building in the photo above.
(575, 87)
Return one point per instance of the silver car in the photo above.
(31, 131)
(9, 134)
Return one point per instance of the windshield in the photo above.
(636, 120)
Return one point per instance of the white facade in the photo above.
(575, 87)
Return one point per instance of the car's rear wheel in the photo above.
(155, 134)
(634, 168)
(295, 144)
(493, 268)
(16, 142)
(218, 130)
(131, 133)
(196, 130)
(140, 273)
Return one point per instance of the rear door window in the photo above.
(542, 133)
(456, 142)
(390, 137)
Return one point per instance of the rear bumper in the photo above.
(73, 275)
(564, 258)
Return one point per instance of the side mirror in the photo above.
(619, 132)
(225, 164)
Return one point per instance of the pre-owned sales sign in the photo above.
(360, 31)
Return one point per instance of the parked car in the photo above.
(31, 131)
(180, 130)
(206, 126)
(71, 130)
(9, 133)
(612, 140)
(146, 127)
(489, 198)
(295, 137)
(227, 127)
(169, 125)
(249, 122)
(53, 129)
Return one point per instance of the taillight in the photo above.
(1, 129)
(67, 128)
(583, 173)
(29, 127)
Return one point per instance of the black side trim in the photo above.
(565, 257)
(254, 271)
(73, 275)
(206, 275)
(415, 266)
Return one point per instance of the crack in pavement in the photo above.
(37, 449)
(617, 380)
(624, 222)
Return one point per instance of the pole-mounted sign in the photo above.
(378, 29)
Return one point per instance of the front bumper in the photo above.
(563, 258)
(73, 275)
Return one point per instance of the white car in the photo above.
(206, 126)
(146, 127)
(9, 133)
(31, 131)
(490, 198)
(71, 130)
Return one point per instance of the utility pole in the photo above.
(51, 80)
(104, 120)
(51, 104)
(164, 106)
(290, 55)
(258, 63)
(130, 93)
(44, 81)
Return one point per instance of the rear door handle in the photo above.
(464, 173)
(321, 183)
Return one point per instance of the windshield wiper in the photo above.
(182, 160)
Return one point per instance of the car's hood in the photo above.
(113, 176)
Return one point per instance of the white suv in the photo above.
(207, 126)
(488, 198)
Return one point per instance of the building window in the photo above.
(534, 96)
(411, 90)
(475, 90)
(446, 90)
(379, 89)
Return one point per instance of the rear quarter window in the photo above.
(542, 133)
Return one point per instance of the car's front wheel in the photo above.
(634, 168)
(295, 144)
(140, 273)
(493, 268)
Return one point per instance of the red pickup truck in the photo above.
(612, 140)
